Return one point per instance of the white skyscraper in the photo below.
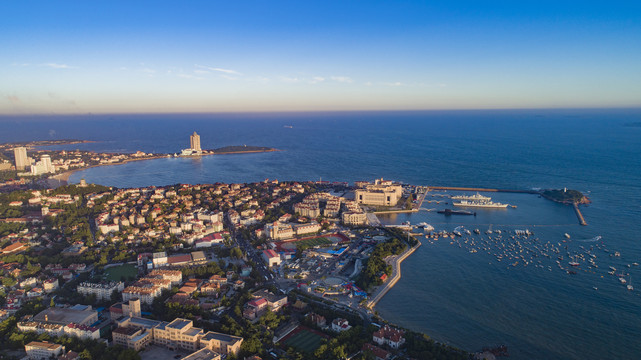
(20, 154)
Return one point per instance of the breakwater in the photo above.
(579, 215)
(482, 189)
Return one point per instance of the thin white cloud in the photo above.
(316, 80)
(57, 66)
(395, 84)
(289, 80)
(148, 71)
(342, 79)
(20, 64)
(202, 72)
(221, 70)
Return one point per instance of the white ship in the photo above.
(480, 203)
(476, 196)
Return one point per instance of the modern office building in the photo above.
(194, 140)
(20, 154)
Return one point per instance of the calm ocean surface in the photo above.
(466, 299)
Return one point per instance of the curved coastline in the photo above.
(62, 178)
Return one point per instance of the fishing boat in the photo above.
(567, 236)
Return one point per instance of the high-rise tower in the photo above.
(20, 154)
(194, 139)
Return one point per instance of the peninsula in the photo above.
(565, 196)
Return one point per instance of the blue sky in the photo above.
(210, 56)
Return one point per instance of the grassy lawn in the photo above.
(305, 341)
(313, 242)
(116, 273)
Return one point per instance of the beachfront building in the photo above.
(37, 350)
(194, 141)
(390, 336)
(194, 146)
(381, 193)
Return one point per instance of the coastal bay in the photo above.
(462, 299)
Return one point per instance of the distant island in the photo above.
(565, 196)
(237, 149)
(30, 144)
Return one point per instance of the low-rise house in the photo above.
(389, 336)
(340, 325)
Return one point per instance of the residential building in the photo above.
(43, 350)
(102, 290)
(390, 336)
(340, 325)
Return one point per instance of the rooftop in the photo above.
(64, 316)
(179, 323)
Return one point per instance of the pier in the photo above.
(482, 189)
(579, 215)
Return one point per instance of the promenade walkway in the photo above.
(394, 278)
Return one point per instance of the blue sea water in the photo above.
(466, 299)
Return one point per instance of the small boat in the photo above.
(629, 286)
(567, 236)
(573, 263)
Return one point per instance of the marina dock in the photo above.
(579, 215)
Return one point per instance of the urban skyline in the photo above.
(120, 57)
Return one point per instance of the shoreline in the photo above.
(394, 278)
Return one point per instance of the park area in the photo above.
(304, 339)
(120, 273)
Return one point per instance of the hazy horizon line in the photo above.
(267, 112)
